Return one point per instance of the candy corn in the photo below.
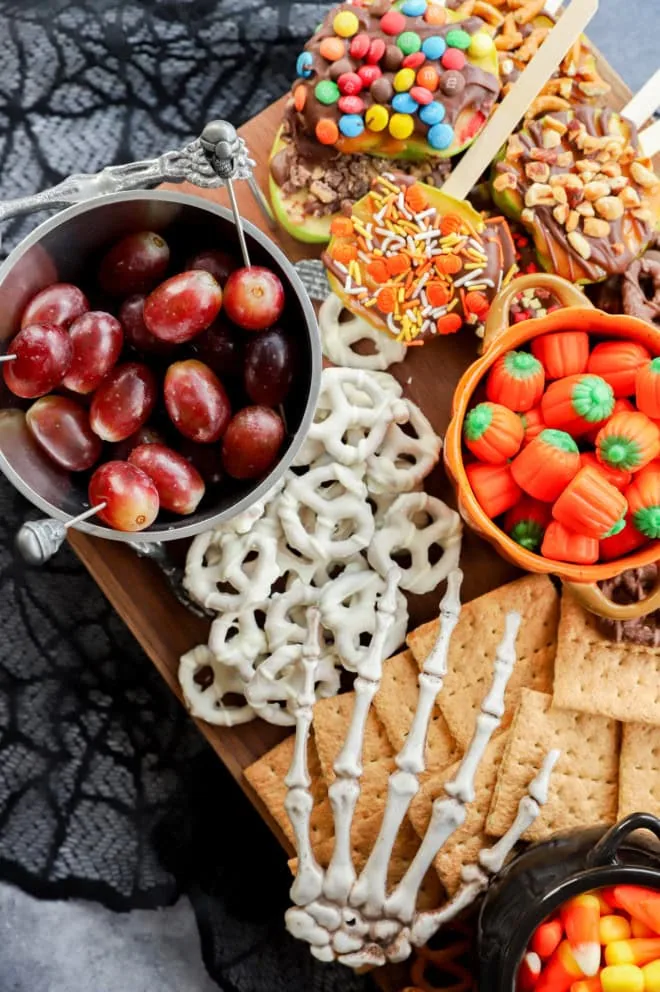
(651, 974)
(587, 985)
(632, 899)
(528, 973)
(622, 978)
(560, 972)
(581, 919)
(614, 928)
(640, 929)
(547, 938)
(651, 906)
(641, 950)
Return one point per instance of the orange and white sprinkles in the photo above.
(424, 273)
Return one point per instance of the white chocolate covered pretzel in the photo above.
(415, 523)
(238, 640)
(205, 682)
(240, 572)
(278, 681)
(338, 338)
(403, 461)
(340, 523)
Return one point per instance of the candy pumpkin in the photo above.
(563, 544)
(516, 380)
(628, 441)
(546, 465)
(619, 406)
(624, 543)
(619, 478)
(562, 353)
(493, 486)
(493, 433)
(643, 496)
(526, 522)
(590, 505)
(617, 362)
(577, 403)
(647, 389)
(533, 423)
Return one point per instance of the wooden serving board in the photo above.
(139, 592)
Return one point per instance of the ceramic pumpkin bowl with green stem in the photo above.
(577, 314)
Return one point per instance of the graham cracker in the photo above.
(331, 720)
(363, 837)
(396, 702)
(474, 644)
(639, 770)
(584, 783)
(266, 776)
(596, 675)
(463, 846)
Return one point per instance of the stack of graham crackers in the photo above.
(570, 689)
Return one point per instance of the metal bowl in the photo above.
(66, 248)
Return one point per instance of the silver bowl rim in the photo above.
(176, 532)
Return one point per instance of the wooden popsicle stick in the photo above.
(645, 103)
(514, 105)
(649, 140)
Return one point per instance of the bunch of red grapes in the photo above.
(203, 343)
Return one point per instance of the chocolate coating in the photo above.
(641, 288)
(339, 67)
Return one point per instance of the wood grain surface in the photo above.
(138, 591)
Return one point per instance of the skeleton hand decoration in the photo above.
(353, 919)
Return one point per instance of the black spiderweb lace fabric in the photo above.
(107, 791)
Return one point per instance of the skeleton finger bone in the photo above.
(338, 338)
(279, 679)
(205, 682)
(402, 461)
(331, 506)
(414, 524)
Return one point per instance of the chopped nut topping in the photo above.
(585, 165)
(548, 155)
(580, 244)
(538, 172)
(611, 169)
(643, 176)
(609, 207)
(560, 213)
(618, 183)
(559, 194)
(539, 194)
(515, 147)
(594, 227)
(594, 190)
(527, 216)
(572, 222)
(643, 214)
(566, 179)
(554, 124)
(586, 209)
(550, 138)
(505, 180)
(566, 160)
(629, 197)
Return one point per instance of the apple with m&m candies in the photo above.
(580, 483)
(607, 940)
(155, 381)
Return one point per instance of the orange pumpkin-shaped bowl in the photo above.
(577, 314)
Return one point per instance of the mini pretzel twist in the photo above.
(402, 462)
(338, 338)
(205, 682)
(348, 610)
(350, 399)
(335, 496)
(415, 523)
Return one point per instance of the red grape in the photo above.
(59, 304)
(134, 264)
(131, 317)
(97, 340)
(144, 435)
(254, 298)
(123, 402)
(183, 306)
(61, 427)
(180, 486)
(268, 367)
(252, 442)
(130, 496)
(196, 401)
(44, 353)
(219, 263)
(219, 347)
